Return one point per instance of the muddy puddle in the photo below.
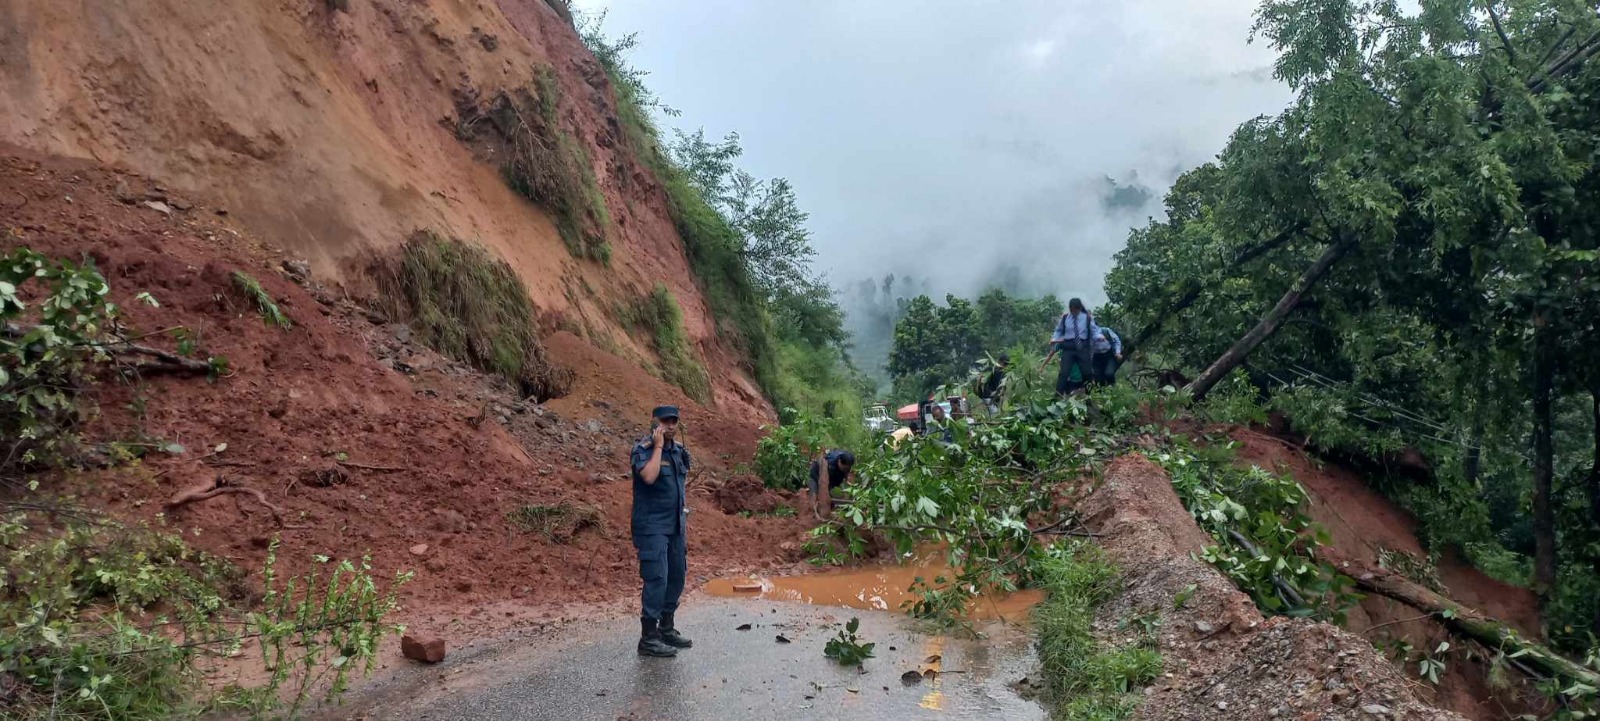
(876, 587)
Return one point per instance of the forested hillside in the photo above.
(1405, 261)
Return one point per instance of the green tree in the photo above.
(937, 345)
(1406, 256)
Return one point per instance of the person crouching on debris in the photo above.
(660, 521)
(1107, 354)
(828, 471)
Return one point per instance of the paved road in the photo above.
(590, 671)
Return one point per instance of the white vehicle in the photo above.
(876, 418)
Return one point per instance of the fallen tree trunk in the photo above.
(1270, 322)
(1194, 289)
(1470, 624)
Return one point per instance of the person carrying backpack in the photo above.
(1073, 337)
(1107, 354)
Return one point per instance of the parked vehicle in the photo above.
(876, 418)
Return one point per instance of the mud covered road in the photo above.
(589, 670)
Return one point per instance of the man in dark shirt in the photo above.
(829, 471)
(990, 392)
(939, 427)
(660, 520)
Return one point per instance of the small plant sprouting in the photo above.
(847, 648)
(1183, 597)
(264, 303)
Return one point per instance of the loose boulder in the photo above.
(429, 650)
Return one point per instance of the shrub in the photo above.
(265, 305)
(679, 365)
(41, 366)
(1085, 680)
(1266, 543)
(783, 456)
(108, 621)
(545, 163)
(558, 523)
(472, 307)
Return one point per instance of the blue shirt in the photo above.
(1107, 340)
(660, 508)
(1080, 327)
(836, 475)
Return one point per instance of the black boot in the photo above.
(670, 635)
(650, 640)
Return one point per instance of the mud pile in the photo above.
(368, 441)
(1222, 659)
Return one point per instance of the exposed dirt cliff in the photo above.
(332, 134)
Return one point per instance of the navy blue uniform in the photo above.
(836, 475)
(660, 518)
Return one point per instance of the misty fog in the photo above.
(961, 145)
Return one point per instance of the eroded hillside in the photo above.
(335, 130)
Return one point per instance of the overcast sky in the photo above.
(947, 139)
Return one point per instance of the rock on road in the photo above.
(589, 671)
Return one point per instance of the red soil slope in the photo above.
(465, 450)
(330, 134)
(1361, 521)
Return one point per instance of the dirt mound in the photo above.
(370, 443)
(1222, 659)
(1363, 522)
(747, 494)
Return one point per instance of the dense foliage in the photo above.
(748, 245)
(1405, 257)
(934, 345)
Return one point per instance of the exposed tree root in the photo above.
(222, 486)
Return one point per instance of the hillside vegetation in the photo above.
(748, 246)
(1404, 261)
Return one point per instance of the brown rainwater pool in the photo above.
(882, 587)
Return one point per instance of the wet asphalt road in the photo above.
(590, 671)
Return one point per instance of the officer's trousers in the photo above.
(663, 564)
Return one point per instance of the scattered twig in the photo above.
(365, 467)
(165, 362)
(1423, 617)
(1220, 629)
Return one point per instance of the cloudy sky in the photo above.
(954, 140)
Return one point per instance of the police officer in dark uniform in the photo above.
(660, 519)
